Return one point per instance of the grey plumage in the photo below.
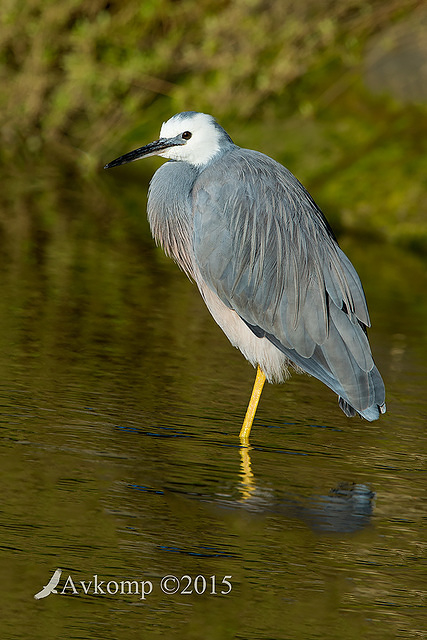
(265, 260)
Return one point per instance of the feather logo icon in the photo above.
(51, 586)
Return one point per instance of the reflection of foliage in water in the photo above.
(82, 279)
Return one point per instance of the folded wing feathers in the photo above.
(286, 274)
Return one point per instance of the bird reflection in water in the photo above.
(346, 508)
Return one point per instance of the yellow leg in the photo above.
(252, 407)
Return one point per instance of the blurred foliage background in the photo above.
(335, 89)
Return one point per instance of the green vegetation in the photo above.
(82, 81)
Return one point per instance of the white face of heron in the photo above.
(200, 138)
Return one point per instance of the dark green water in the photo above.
(120, 406)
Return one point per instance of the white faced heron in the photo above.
(265, 260)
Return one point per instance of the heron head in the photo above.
(190, 136)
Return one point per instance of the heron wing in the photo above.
(264, 247)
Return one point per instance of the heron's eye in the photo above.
(187, 135)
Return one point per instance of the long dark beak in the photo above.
(152, 149)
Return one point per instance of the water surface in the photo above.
(121, 403)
